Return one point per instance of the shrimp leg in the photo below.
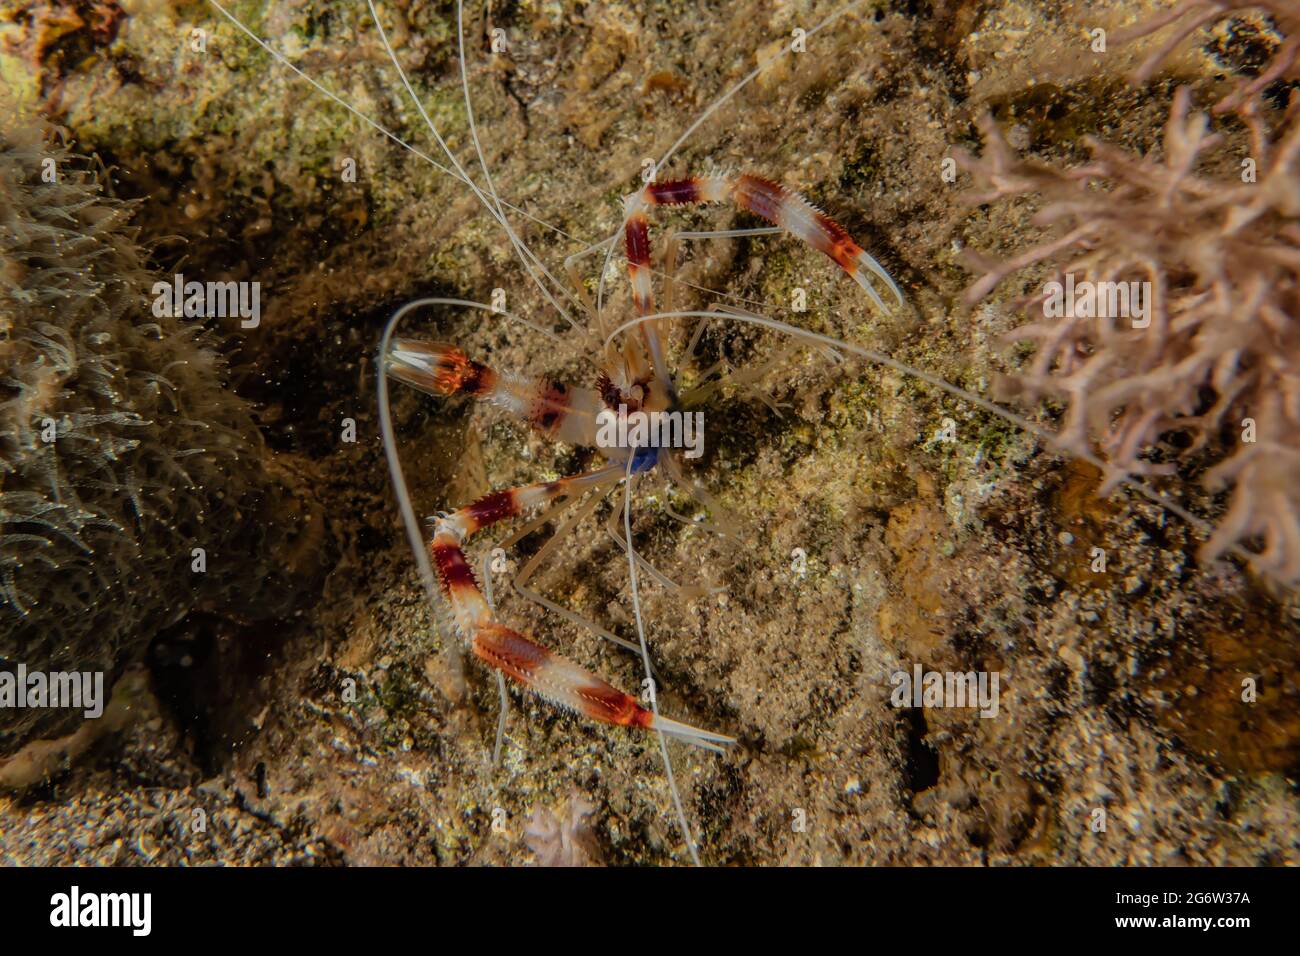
(549, 675)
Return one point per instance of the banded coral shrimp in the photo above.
(554, 295)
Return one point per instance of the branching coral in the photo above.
(1222, 257)
(120, 449)
(1187, 16)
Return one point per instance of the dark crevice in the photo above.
(921, 767)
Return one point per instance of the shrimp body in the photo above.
(636, 381)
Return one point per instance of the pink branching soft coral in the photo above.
(1187, 16)
(1217, 349)
(1190, 15)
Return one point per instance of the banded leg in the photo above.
(556, 411)
(549, 675)
(773, 202)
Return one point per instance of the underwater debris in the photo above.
(564, 838)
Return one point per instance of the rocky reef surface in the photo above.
(883, 524)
